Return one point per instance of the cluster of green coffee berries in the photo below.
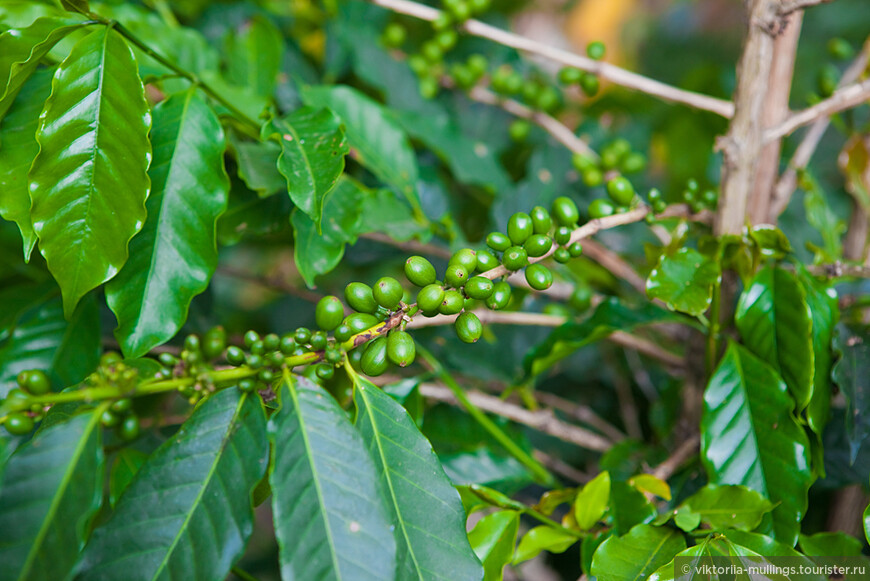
(30, 382)
(616, 157)
(588, 82)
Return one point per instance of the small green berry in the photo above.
(595, 50)
(539, 277)
(515, 258)
(394, 35)
(419, 271)
(452, 303)
(600, 208)
(561, 255)
(537, 245)
(479, 287)
(562, 235)
(575, 249)
(466, 258)
(519, 130)
(519, 228)
(388, 292)
(360, 298)
(500, 297)
(328, 313)
(19, 424)
(565, 212)
(468, 327)
(498, 241)
(430, 297)
(620, 191)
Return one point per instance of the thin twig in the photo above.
(560, 132)
(542, 420)
(840, 270)
(561, 467)
(270, 282)
(842, 99)
(683, 452)
(787, 183)
(580, 413)
(612, 73)
(621, 338)
(628, 410)
(410, 245)
(615, 264)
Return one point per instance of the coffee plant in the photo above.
(309, 291)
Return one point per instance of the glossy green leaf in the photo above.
(493, 539)
(18, 147)
(253, 55)
(629, 507)
(543, 538)
(684, 281)
(76, 5)
(330, 518)
(187, 514)
(21, 50)
(312, 156)
(68, 350)
(175, 255)
(378, 140)
(750, 437)
(728, 506)
(609, 316)
(776, 324)
(651, 484)
(383, 212)
(125, 466)
(686, 520)
(258, 165)
(850, 373)
(761, 544)
(823, 219)
(89, 182)
(51, 489)
(770, 240)
(418, 492)
(636, 555)
(591, 502)
(822, 301)
(318, 254)
(835, 543)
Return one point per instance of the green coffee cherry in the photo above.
(122, 406)
(840, 49)
(575, 249)
(430, 297)
(359, 322)
(329, 313)
(565, 211)
(479, 6)
(620, 191)
(360, 298)
(324, 371)
(479, 287)
(596, 50)
(570, 76)
(515, 258)
(477, 64)
(394, 35)
(343, 332)
(446, 39)
(452, 303)
(562, 235)
(19, 424)
(541, 220)
(400, 348)
(254, 361)
(34, 381)
(456, 275)
(318, 341)
(538, 245)
(432, 51)
(581, 298)
(418, 64)
(388, 292)
(302, 335)
(214, 342)
(548, 99)
(827, 80)
(443, 21)
(374, 359)
(468, 327)
(561, 255)
(500, 297)
(600, 208)
(633, 163)
(498, 241)
(251, 337)
(288, 343)
(593, 177)
(583, 163)
(465, 257)
(590, 85)
(519, 228)
(519, 130)
(129, 428)
(272, 341)
(235, 356)
(539, 277)
(486, 261)
(247, 385)
(419, 271)
(109, 419)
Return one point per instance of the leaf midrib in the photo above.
(64, 483)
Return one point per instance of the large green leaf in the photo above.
(591, 502)
(187, 514)
(258, 165)
(174, 256)
(728, 506)
(318, 254)
(378, 140)
(609, 316)
(312, 156)
(543, 538)
(18, 147)
(629, 507)
(850, 373)
(750, 437)
(636, 555)
(51, 488)
(89, 181)
(493, 539)
(426, 509)
(822, 301)
(43, 339)
(382, 211)
(776, 324)
(330, 518)
(684, 281)
(253, 55)
(22, 49)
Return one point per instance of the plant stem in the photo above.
(540, 472)
(713, 329)
(243, 575)
(126, 33)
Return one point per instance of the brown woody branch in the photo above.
(845, 98)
